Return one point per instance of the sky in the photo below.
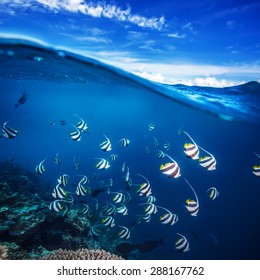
(207, 42)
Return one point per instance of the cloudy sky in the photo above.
(206, 42)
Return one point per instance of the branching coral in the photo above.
(3, 252)
(81, 254)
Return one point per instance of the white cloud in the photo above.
(90, 38)
(97, 10)
(177, 35)
(188, 74)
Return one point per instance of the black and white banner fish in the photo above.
(150, 208)
(182, 244)
(168, 218)
(160, 154)
(190, 149)
(40, 168)
(208, 162)
(213, 193)
(171, 169)
(102, 164)
(95, 231)
(108, 210)
(75, 135)
(256, 168)
(106, 145)
(113, 157)
(58, 206)
(192, 205)
(63, 180)
(122, 209)
(151, 126)
(124, 233)
(59, 193)
(57, 159)
(166, 145)
(81, 190)
(124, 142)
(118, 197)
(9, 132)
(108, 221)
(81, 125)
(145, 188)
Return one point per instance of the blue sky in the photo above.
(206, 42)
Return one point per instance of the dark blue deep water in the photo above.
(59, 85)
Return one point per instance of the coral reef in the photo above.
(81, 254)
(29, 230)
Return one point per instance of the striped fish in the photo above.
(209, 162)
(9, 132)
(171, 169)
(59, 192)
(145, 188)
(81, 125)
(151, 127)
(106, 145)
(84, 180)
(83, 209)
(108, 221)
(52, 122)
(122, 210)
(113, 157)
(256, 168)
(63, 180)
(213, 193)
(81, 190)
(102, 164)
(94, 231)
(75, 135)
(58, 206)
(166, 145)
(182, 244)
(160, 154)
(124, 142)
(124, 233)
(150, 208)
(150, 199)
(192, 205)
(168, 218)
(57, 159)
(190, 149)
(144, 218)
(118, 198)
(108, 210)
(40, 168)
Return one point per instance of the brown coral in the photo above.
(81, 254)
(3, 252)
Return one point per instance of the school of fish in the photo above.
(85, 198)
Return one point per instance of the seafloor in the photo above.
(29, 230)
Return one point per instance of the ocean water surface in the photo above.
(46, 94)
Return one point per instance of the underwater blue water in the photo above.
(225, 122)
